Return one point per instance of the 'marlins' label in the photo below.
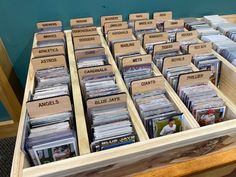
(40, 108)
(51, 24)
(145, 85)
(94, 71)
(107, 100)
(84, 31)
(48, 62)
(113, 18)
(48, 51)
(126, 47)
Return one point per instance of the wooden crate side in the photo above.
(141, 156)
(231, 18)
(80, 120)
(136, 120)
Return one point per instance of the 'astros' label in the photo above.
(48, 62)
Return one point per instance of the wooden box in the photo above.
(184, 153)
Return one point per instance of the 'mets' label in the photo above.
(49, 106)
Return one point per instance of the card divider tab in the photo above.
(80, 119)
(135, 118)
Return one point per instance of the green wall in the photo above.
(18, 17)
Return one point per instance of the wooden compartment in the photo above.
(186, 148)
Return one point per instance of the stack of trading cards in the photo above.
(204, 104)
(215, 20)
(104, 97)
(158, 114)
(202, 28)
(142, 27)
(165, 50)
(110, 124)
(91, 57)
(224, 46)
(172, 27)
(151, 39)
(50, 126)
(135, 17)
(172, 74)
(162, 17)
(135, 67)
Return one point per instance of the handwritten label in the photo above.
(195, 78)
(97, 70)
(48, 62)
(81, 42)
(50, 36)
(107, 100)
(137, 60)
(145, 85)
(144, 24)
(45, 107)
(121, 48)
(176, 61)
(81, 22)
(120, 34)
(48, 51)
(138, 16)
(86, 53)
(51, 24)
(115, 26)
(84, 31)
(172, 24)
(186, 35)
(155, 37)
(201, 48)
(162, 16)
(112, 18)
(173, 46)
